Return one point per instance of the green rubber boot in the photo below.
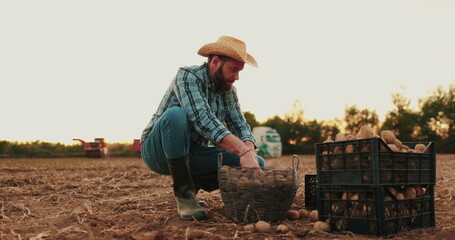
(184, 191)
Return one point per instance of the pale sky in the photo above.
(90, 68)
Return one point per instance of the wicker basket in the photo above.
(248, 198)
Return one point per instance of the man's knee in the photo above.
(261, 162)
(176, 112)
(176, 117)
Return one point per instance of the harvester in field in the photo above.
(137, 145)
(96, 149)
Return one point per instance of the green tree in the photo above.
(402, 120)
(299, 134)
(294, 119)
(251, 119)
(296, 113)
(4, 147)
(437, 117)
(328, 130)
(284, 129)
(120, 149)
(355, 118)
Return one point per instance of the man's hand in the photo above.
(245, 150)
(249, 160)
(250, 144)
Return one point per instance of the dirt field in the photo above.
(122, 199)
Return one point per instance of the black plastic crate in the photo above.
(375, 210)
(371, 162)
(311, 182)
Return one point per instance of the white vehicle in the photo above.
(268, 141)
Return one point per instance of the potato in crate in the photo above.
(250, 198)
(380, 211)
(372, 162)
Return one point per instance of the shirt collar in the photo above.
(210, 80)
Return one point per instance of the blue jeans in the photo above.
(170, 138)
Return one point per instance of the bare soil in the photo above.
(122, 199)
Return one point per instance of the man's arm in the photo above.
(236, 122)
(250, 144)
(190, 93)
(234, 145)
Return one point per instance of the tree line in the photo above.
(40, 149)
(434, 120)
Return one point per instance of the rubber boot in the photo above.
(184, 192)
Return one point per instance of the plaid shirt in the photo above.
(212, 115)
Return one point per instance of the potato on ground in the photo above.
(322, 226)
(303, 213)
(293, 215)
(249, 228)
(313, 216)
(262, 226)
(282, 228)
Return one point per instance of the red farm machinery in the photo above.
(137, 145)
(96, 149)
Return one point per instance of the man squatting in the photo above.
(201, 105)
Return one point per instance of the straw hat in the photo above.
(230, 47)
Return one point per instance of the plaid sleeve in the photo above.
(235, 120)
(188, 92)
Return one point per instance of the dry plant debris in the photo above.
(122, 199)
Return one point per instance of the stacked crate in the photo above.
(372, 190)
(311, 183)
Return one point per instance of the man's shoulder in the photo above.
(193, 73)
(195, 69)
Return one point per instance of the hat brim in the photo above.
(219, 49)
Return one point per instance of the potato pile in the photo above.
(397, 146)
(343, 154)
(240, 178)
(249, 197)
(302, 214)
(342, 206)
(398, 177)
(265, 227)
(406, 212)
(312, 215)
(366, 132)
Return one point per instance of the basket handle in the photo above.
(295, 165)
(220, 159)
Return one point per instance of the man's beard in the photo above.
(220, 81)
